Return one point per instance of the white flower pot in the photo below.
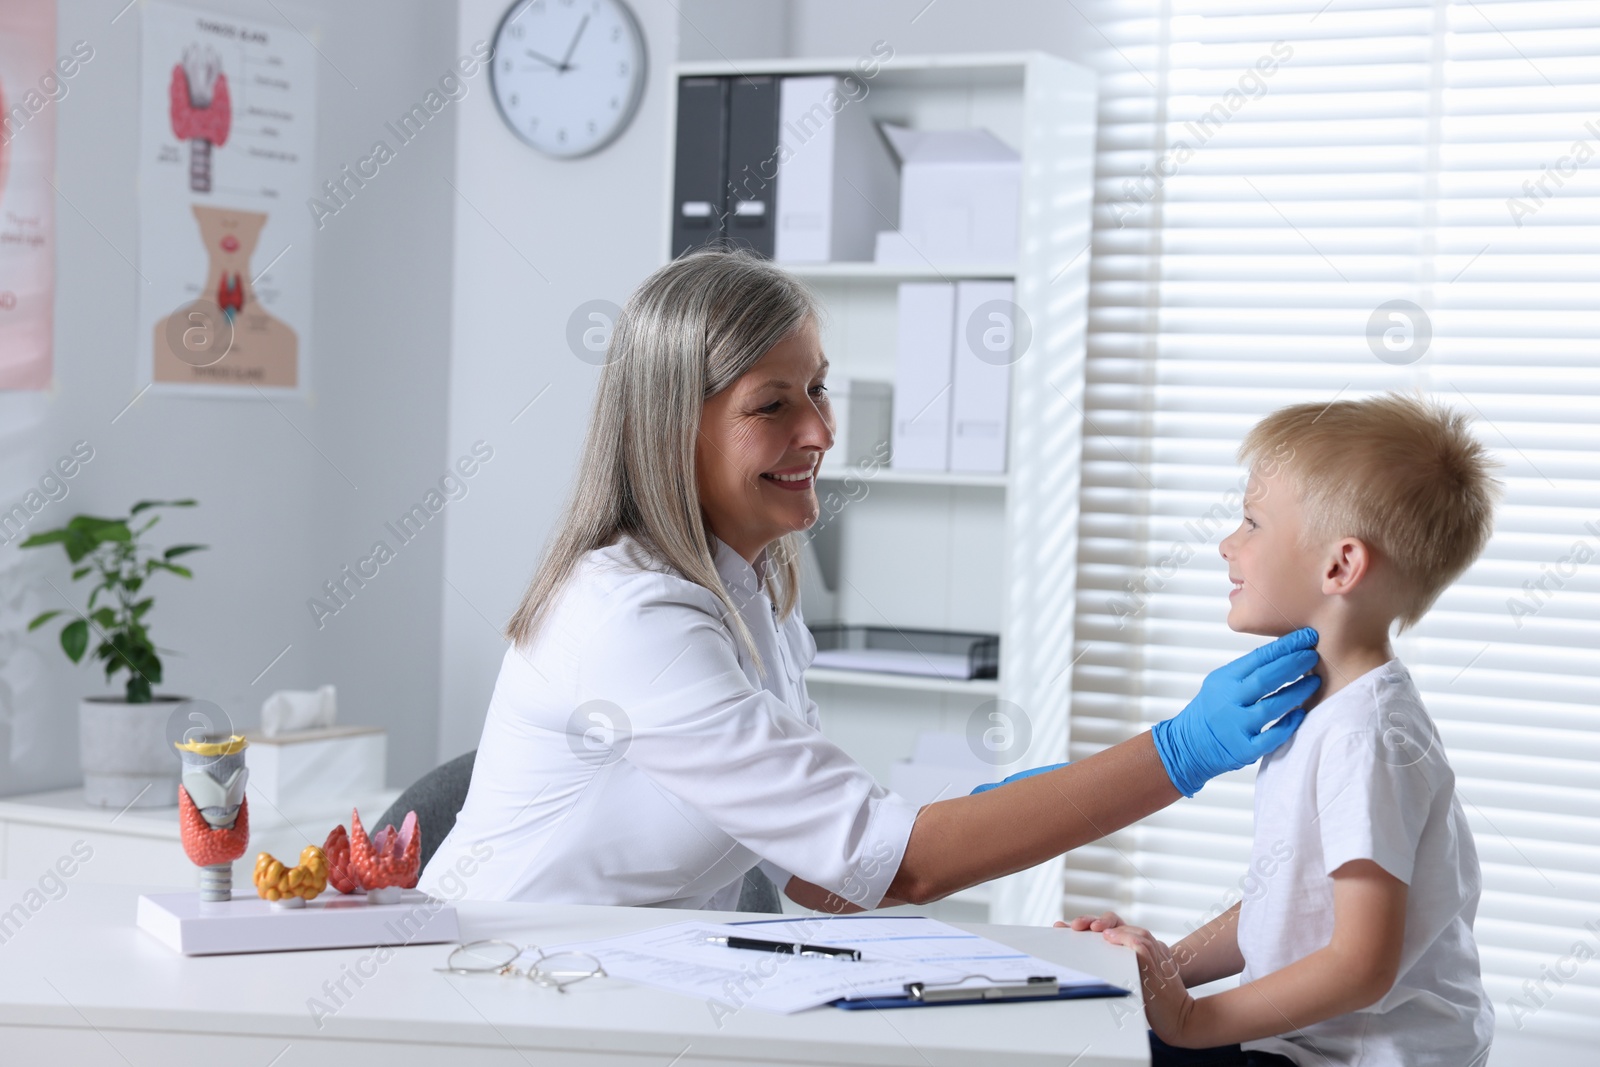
(126, 757)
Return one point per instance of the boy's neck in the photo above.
(1345, 651)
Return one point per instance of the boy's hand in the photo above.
(1096, 923)
(1221, 728)
(1167, 1004)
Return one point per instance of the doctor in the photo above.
(650, 739)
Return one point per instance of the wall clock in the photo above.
(568, 74)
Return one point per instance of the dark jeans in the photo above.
(1164, 1055)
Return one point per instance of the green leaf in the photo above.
(137, 690)
(79, 544)
(80, 572)
(179, 550)
(49, 537)
(142, 606)
(74, 639)
(116, 530)
(40, 620)
(183, 572)
(105, 618)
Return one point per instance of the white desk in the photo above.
(140, 846)
(81, 986)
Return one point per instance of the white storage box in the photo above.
(959, 197)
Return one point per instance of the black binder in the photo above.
(699, 197)
(752, 185)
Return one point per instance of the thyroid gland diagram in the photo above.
(201, 110)
(225, 335)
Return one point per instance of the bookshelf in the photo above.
(977, 552)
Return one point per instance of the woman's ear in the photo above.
(1347, 564)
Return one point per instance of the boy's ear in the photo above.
(1346, 565)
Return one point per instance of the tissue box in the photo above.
(336, 763)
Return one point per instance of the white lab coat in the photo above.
(634, 755)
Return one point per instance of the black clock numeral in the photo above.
(616, 33)
(516, 30)
(622, 68)
(515, 100)
(533, 124)
(561, 135)
(614, 104)
(592, 126)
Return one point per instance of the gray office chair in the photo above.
(437, 798)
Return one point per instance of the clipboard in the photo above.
(1079, 992)
(1041, 986)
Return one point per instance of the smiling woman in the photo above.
(760, 443)
(650, 738)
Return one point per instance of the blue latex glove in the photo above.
(1221, 729)
(985, 787)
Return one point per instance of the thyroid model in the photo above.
(201, 110)
(225, 335)
(380, 867)
(213, 815)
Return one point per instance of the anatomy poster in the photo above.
(30, 85)
(226, 135)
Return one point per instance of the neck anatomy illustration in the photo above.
(201, 109)
(225, 333)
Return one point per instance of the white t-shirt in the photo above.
(1365, 777)
(633, 754)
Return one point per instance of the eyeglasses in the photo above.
(492, 956)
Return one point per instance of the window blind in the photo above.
(1271, 175)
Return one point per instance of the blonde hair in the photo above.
(687, 333)
(1403, 474)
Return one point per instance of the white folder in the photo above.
(985, 332)
(922, 377)
(837, 180)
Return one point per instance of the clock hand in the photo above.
(574, 45)
(544, 59)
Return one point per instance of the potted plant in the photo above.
(122, 743)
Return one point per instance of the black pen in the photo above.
(792, 948)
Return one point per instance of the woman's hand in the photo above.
(1168, 1007)
(1096, 923)
(1222, 728)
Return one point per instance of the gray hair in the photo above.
(687, 333)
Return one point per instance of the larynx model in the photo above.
(213, 816)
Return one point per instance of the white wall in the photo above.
(279, 518)
(919, 27)
(535, 238)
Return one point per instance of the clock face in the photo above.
(568, 74)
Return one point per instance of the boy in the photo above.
(1360, 948)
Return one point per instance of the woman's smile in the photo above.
(793, 479)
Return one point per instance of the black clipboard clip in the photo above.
(1041, 986)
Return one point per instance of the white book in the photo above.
(922, 377)
(985, 335)
(837, 180)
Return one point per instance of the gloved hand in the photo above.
(1221, 729)
(1029, 773)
